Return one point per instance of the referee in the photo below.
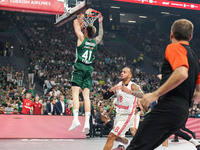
(180, 83)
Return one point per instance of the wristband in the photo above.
(138, 108)
(108, 94)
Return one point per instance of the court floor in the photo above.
(73, 144)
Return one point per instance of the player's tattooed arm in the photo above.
(100, 36)
(138, 93)
(136, 90)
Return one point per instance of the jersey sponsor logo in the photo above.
(27, 107)
(122, 107)
(90, 44)
(87, 47)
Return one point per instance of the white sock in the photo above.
(165, 148)
(75, 111)
(195, 142)
(87, 118)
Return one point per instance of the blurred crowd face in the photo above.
(28, 96)
(37, 98)
(101, 110)
(1, 109)
(62, 98)
(53, 101)
(15, 111)
(69, 106)
(9, 105)
(95, 111)
(104, 112)
(193, 112)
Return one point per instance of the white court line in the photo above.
(46, 140)
(63, 140)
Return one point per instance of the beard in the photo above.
(124, 79)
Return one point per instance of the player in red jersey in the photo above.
(27, 103)
(68, 110)
(37, 107)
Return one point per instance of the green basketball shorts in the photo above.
(82, 78)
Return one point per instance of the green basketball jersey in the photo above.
(85, 53)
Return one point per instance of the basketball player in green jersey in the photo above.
(81, 78)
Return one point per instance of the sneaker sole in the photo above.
(86, 130)
(75, 127)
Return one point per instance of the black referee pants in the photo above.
(164, 120)
(183, 135)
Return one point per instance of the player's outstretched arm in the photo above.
(108, 94)
(111, 92)
(100, 36)
(77, 27)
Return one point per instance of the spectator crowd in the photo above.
(51, 55)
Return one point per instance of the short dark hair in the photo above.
(182, 29)
(91, 30)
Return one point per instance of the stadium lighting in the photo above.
(122, 14)
(115, 7)
(165, 13)
(144, 17)
(132, 21)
